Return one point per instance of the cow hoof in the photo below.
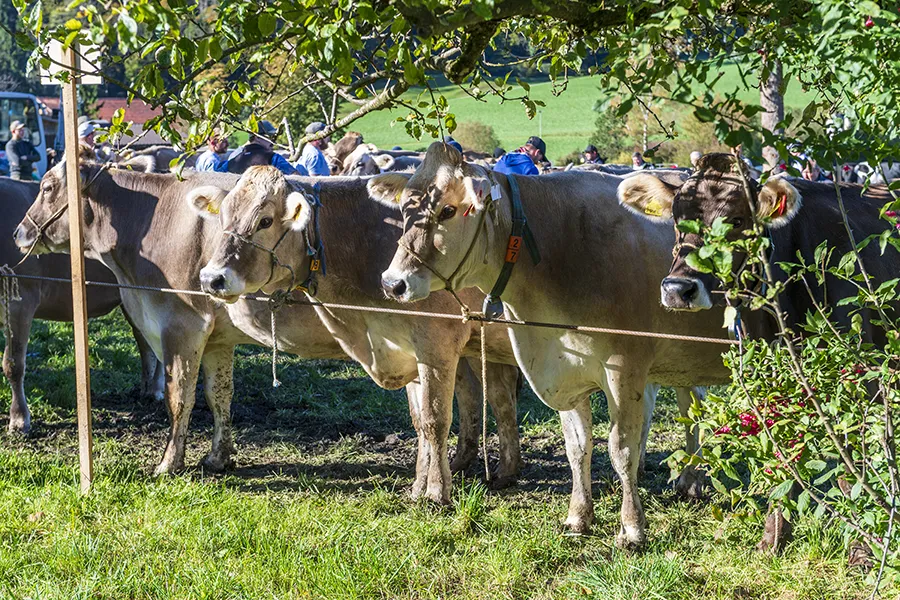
(631, 540)
(690, 484)
(217, 464)
(579, 525)
(777, 534)
(462, 461)
(19, 425)
(168, 468)
(861, 556)
(437, 497)
(152, 397)
(501, 482)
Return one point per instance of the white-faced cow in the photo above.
(600, 264)
(142, 227)
(51, 301)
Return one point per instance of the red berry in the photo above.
(870, 23)
(890, 213)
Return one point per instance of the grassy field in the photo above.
(318, 505)
(566, 122)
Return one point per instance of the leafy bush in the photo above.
(475, 135)
(813, 412)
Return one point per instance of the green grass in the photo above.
(566, 122)
(318, 505)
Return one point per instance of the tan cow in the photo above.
(51, 301)
(141, 227)
(262, 211)
(600, 267)
(266, 211)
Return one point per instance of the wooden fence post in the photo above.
(79, 294)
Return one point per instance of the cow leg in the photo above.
(690, 481)
(650, 393)
(577, 425)
(181, 357)
(626, 398)
(218, 387)
(21, 315)
(435, 417)
(152, 372)
(423, 454)
(468, 400)
(503, 391)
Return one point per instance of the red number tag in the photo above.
(512, 250)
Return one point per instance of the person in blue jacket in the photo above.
(524, 160)
(259, 150)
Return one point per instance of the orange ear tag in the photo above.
(782, 206)
(314, 265)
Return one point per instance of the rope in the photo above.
(413, 313)
(484, 404)
(9, 292)
(274, 305)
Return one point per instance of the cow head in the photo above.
(257, 250)
(45, 227)
(714, 190)
(442, 204)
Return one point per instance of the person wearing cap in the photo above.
(523, 161)
(312, 158)
(448, 139)
(20, 153)
(591, 157)
(210, 159)
(259, 150)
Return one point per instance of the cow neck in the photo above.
(520, 234)
(315, 249)
(367, 241)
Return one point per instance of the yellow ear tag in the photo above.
(213, 210)
(653, 208)
(315, 265)
(397, 197)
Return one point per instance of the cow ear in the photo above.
(647, 196)
(477, 191)
(385, 162)
(206, 200)
(297, 211)
(387, 188)
(778, 202)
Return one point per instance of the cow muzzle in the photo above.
(684, 293)
(221, 283)
(404, 287)
(25, 237)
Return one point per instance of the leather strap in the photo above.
(520, 235)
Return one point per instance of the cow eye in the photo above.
(447, 212)
(737, 222)
(264, 223)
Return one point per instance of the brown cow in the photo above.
(51, 301)
(799, 215)
(141, 226)
(599, 262)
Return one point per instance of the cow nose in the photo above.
(22, 237)
(212, 282)
(393, 287)
(685, 289)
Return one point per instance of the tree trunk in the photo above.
(772, 101)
